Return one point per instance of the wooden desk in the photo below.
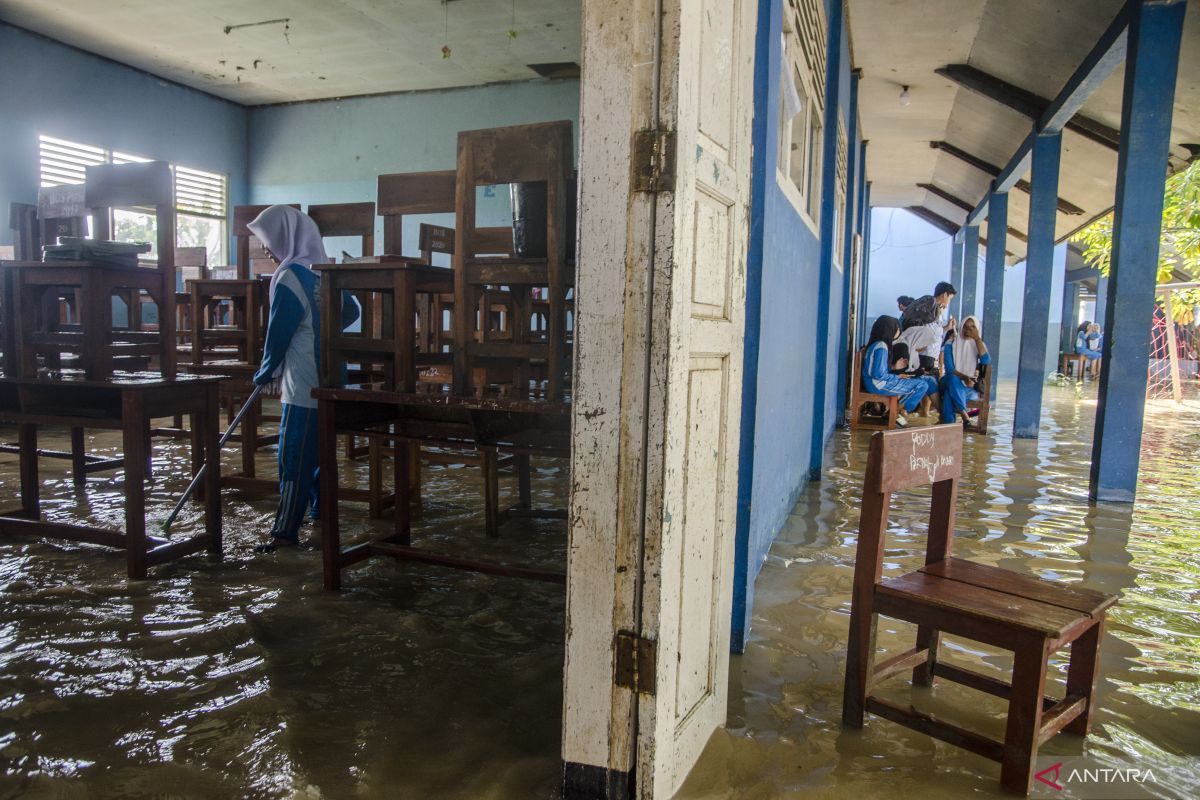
(99, 346)
(246, 332)
(407, 420)
(399, 281)
(126, 403)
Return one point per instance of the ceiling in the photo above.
(326, 49)
(1032, 44)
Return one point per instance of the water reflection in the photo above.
(246, 678)
(1022, 506)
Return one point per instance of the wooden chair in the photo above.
(859, 398)
(539, 153)
(1033, 618)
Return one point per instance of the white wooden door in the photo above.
(657, 387)
(707, 65)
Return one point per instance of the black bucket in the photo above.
(529, 219)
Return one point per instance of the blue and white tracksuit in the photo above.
(293, 356)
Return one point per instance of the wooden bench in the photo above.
(1072, 364)
(859, 398)
(1033, 618)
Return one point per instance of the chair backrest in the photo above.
(27, 237)
(243, 216)
(347, 219)
(412, 193)
(900, 460)
(440, 239)
(60, 212)
(856, 376)
(192, 263)
(143, 185)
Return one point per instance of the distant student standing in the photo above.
(292, 357)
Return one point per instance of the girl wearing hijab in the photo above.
(291, 358)
(877, 376)
(962, 358)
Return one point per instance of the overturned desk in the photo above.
(407, 420)
(126, 402)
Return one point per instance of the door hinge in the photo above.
(637, 659)
(654, 161)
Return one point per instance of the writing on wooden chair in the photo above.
(916, 458)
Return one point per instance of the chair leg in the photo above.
(1024, 716)
(860, 663)
(1083, 674)
(927, 638)
(78, 460)
(491, 493)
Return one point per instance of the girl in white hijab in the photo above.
(961, 358)
(291, 356)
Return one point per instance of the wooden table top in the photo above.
(119, 380)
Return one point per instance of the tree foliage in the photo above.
(1179, 249)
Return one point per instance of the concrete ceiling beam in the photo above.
(1064, 206)
(936, 220)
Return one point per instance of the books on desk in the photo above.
(117, 254)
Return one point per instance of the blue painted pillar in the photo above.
(847, 234)
(1151, 64)
(1039, 272)
(956, 273)
(970, 274)
(1101, 299)
(1070, 310)
(828, 237)
(993, 279)
(864, 319)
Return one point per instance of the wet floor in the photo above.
(1023, 506)
(245, 678)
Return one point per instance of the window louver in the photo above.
(63, 163)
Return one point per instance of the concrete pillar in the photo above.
(1101, 299)
(828, 237)
(993, 279)
(970, 274)
(845, 358)
(956, 274)
(1070, 310)
(1151, 64)
(1039, 272)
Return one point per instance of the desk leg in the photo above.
(212, 475)
(374, 477)
(78, 462)
(196, 436)
(524, 490)
(404, 333)
(134, 444)
(401, 456)
(249, 438)
(491, 492)
(331, 540)
(30, 498)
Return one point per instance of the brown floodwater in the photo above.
(244, 678)
(1022, 505)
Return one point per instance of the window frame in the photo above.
(801, 57)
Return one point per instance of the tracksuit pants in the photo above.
(298, 460)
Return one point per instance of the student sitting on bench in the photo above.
(877, 376)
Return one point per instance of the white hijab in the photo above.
(290, 235)
(966, 352)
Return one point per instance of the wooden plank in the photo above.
(918, 457)
(1074, 598)
(508, 274)
(973, 679)
(897, 664)
(164, 553)
(62, 530)
(1060, 716)
(967, 602)
(416, 193)
(472, 565)
(344, 219)
(928, 725)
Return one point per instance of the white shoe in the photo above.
(901, 422)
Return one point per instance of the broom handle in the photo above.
(237, 420)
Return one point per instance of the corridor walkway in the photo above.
(1022, 506)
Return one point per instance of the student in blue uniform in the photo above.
(291, 358)
(877, 376)
(1089, 341)
(962, 357)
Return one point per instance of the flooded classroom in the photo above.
(600, 399)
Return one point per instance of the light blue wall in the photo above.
(909, 256)
(334, 151)
(50, 88)
(784, 257)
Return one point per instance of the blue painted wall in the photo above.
(95, 101)
(784, 256)
(334, 151)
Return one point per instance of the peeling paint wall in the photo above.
(53, 89)
(333, 151)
